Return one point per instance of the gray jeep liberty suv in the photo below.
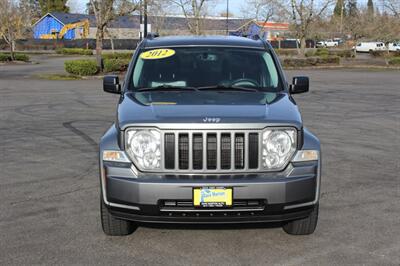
(207, 131)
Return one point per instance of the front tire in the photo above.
(305, 226)
(113, 226)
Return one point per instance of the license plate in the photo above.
(212, 197)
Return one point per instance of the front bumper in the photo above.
(287, 195)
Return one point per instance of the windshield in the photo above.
(205, 68)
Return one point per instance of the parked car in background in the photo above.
(327, 43)
(393, 47)
(369, 46)
(338, 40)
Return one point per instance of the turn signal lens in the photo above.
(115, 156)
(306, 155)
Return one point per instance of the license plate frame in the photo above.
(212, 197)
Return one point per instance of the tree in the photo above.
(194, 12)
(13, 23)
(262, 10)
(31, 8)
(159, 10)
(89, 9)
(339, 8)
(47, 6)
(352, 9)
(393, 6)
(105, 11)
(370, 8)
(304, 13)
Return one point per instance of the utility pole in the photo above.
(341, 18)
(145, 18)
(227, 17)
(140, 20)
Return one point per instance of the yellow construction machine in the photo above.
(84, 24)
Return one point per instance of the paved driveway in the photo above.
(49, 210)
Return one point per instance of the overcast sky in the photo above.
(235, 6)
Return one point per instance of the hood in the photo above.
(207, 107)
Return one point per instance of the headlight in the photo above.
(278, 146)
(144, 148)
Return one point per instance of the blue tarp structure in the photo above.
(48, 24)
(250, 30)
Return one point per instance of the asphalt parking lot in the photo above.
(49, 188)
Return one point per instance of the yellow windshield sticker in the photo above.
(157, 54)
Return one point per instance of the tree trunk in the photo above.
(197, 26)
(302, 46)
(112, 44)
(12, 54)
(99, 47)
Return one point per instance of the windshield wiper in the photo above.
(226, 88)
(168, 88)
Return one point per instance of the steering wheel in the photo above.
(244, 82)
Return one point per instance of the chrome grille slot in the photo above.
(253, 150)
(225, 151)
(183, 151)
(211, 151)
(239, 151)
(197, 151)
(169, 151)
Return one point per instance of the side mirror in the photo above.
(299, 85)
(111, 84)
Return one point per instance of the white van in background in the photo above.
(393, 47)
(370, 46)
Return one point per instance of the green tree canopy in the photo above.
(337, 12)
(370, 8)
(352, 9)
(47, 6)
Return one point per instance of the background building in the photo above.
(127, 27)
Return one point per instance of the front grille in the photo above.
(211, 151)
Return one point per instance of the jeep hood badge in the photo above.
(211, 119)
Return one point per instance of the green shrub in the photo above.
(395, 54)
(310, 61)
(115, 65)
(74, 51)
(21, 57)
(286, 52)
(126, 55)
(18, 57)
(4, 57)
(342, 53)
(394, 61)
(378, 53)
(322, 52)
(82, 67)
(328, 60)
(310, 53)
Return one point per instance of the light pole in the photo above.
(140, 20)
(145, 18)
(227, 17)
